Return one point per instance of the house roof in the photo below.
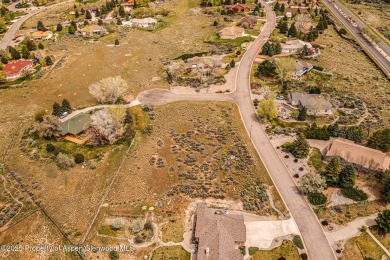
(294, 10)
(40, 34)
(237, 5)
(15, 67)
(300, 65)
(367, 157)
(128, 3)
(295, 44)
(309, 101)
(249, 20)
(218, 234)
(76, 124)
(147, 20)
(231, 31)
(92, 28)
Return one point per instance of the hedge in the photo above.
(354, 194)
(317, 198)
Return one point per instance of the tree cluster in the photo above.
(300, 147)
(380, 140)
(353, 133)
(267, 110)
(266, 68)
(271, 49)
(108, 89)
(58, 109)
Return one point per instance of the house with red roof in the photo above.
(16, 69)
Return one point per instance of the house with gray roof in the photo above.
(219, 236)
(76, 124)
(301, 68)
(315, 104)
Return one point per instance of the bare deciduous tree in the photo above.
(108, 89)
(284, 68)
(65, 161)
(50, 127)
(117, 223)
(312, 183)
(137, 225)
(106, 128)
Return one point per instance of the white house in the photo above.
(294, 45)
(231, 33)
(16, 69)
(40, 35)
(144, 23)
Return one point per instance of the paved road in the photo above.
(375, 54)
(13, 30)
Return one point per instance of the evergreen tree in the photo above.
(4, 59)
(266, 48)
(59, 27)
(282, 8)
(383, 221)
(277, 48)
(127, 17)
(97, 13)
(77, 14)
(40, 46)
(15, 54)
(86, 23)
(57, 109)
(25, 52)
(71, 29)
(385, 194)
(88, 15)
(332, 171)
(276, 7)
(122, 11)
(100, 22)
(292, 32)
(320, 26)
(31, 46)
(40, 26)
(232, 64)
(118, 21)
(49, 61)
(283, 28)
(302, 114)
(74, 24)
(300, 148)
(116, 42)
(347, 177)
(266, 68)
(66, 106)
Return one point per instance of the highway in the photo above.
(377, 57)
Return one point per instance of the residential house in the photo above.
(289, 12)
(294, 45)
(128, 6)
(92, 30)
(17, 69)
(231, 33)
(144, 22)
(283, 2)
(203, 64)
(248, 21)
(91, 9)
(218, 236)
(238, 8)
(301, 68)
(75, 125)
(361, 156)
(304, 27)
(315, 104)
(41, 36)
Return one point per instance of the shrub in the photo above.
(383, 221)
(38, 116)
(117, 223)
(354, 194)
(364, 228)
(324, 223)
(298, 242)
(317, 198)
(64, 161)
(50, 148)
(304, 256)
(137, 225)
(113, 255)
(79, 158)
(148, 225)
(253, 250)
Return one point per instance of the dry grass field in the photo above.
(355, 72)
(362, 247)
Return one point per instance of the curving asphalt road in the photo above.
(13, 30)
(316, 242)
(378, 57)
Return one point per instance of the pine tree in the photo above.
(74, 24)
(59, 27)
(77, 14)
(232, 64)
(118, 21)
(122, 11)
(332, 171)
(278, 48)
(100, 22)
(49, 61)
(57, 109)
(116, 42)
(4, 59)
(86, 23)
(66, 106)
(276, 7)
(282, 8)
(71, 29)
(292, 32)
(347, 177)
(40, 46)
(302, 114)
(31, 46)
(88, 15)
(283, 28)
(40, 26)
(266, 48)
(25, 52)
(300, 148)
(385, 194)
(97, 13)
(15, 54)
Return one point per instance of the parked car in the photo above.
(280, 97)
(63, 115)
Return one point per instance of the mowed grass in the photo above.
(316, 160)
(354, 71)
(170, 252)
(362, 247)
(286, 250)
(173, 231)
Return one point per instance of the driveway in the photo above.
(261, 233)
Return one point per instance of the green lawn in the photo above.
(286, 250)
(316, 160)
(362, 247)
